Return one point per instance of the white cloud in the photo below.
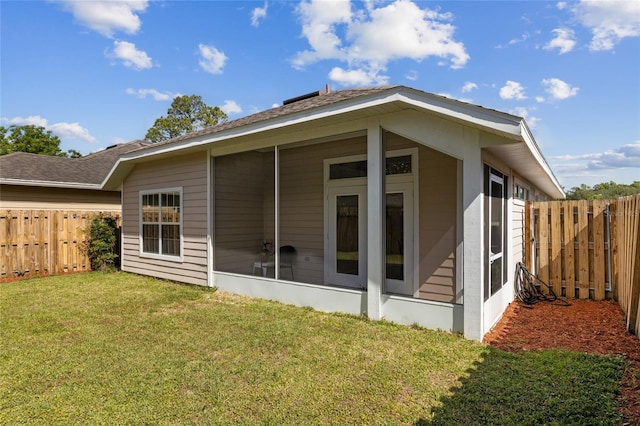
(107, 16)
(523, 37)
(411, 75)
(32, 120)
(62, 129)
(71, 130)
(231, 107)
(357, 77)
(319, 28)
(564, 40)
(561, 5)
(257, 14)
(367, 39)
(156, 95)
(525, 113)
(129, 55)
(468, 87)
(621, 157)
(559, 89)
(212, 60)
(512, 90)
(609, 21)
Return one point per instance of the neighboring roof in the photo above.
(352, 104)
(21, 168)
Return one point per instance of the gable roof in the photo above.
(352, 104)
(88, 172)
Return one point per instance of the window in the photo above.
(161, 222)
(520, 192)
(398, 165)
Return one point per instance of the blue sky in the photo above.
(97, 73)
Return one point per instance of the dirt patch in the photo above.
(584, 326)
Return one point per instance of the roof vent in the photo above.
(111, 146)
(302, 98)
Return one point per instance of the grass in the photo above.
(117, 348)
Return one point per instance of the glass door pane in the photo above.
(399, 239)
(496, 216)
(347, 255)
(395, 236)
(346, 244)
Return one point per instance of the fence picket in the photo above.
(556, 249)
(583, 250)
(599, 255)
(569, 249)
(543, 253)
(43, 242)
(591, 256)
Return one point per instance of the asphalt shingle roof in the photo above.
(322, 99)
(90, 169)
(93, 168)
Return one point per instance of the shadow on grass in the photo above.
(542, 387)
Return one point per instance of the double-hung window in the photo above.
(161, 222)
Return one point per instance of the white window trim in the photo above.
(160, 256)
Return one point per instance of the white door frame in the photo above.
(408, 184)
(331, 274)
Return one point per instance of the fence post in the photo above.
(556, 249)
(583, 250)
(599, 257)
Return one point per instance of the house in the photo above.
(393, 202)
(42, 182)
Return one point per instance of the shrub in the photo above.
(103, 236)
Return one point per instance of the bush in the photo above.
(103, 237)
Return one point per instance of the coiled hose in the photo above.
(528, 288)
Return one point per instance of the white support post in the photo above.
(276, 194)
(375, 220)
(473, 273)
(210, 218)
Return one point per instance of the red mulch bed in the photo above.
(584, 326)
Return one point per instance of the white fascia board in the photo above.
(532, 145)
(50, 184)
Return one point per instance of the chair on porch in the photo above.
(267, 260)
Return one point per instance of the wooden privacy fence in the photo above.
(39, 242)
(587, 249)
(626, 230)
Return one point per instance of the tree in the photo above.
(603, 191)
(32, 139)
(187, 114)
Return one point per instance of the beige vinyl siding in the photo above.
(437, 220)
(517, 247)
(190, 173)
(42, 198)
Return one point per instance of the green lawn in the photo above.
(115, 348)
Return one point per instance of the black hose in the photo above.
(528, 288)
